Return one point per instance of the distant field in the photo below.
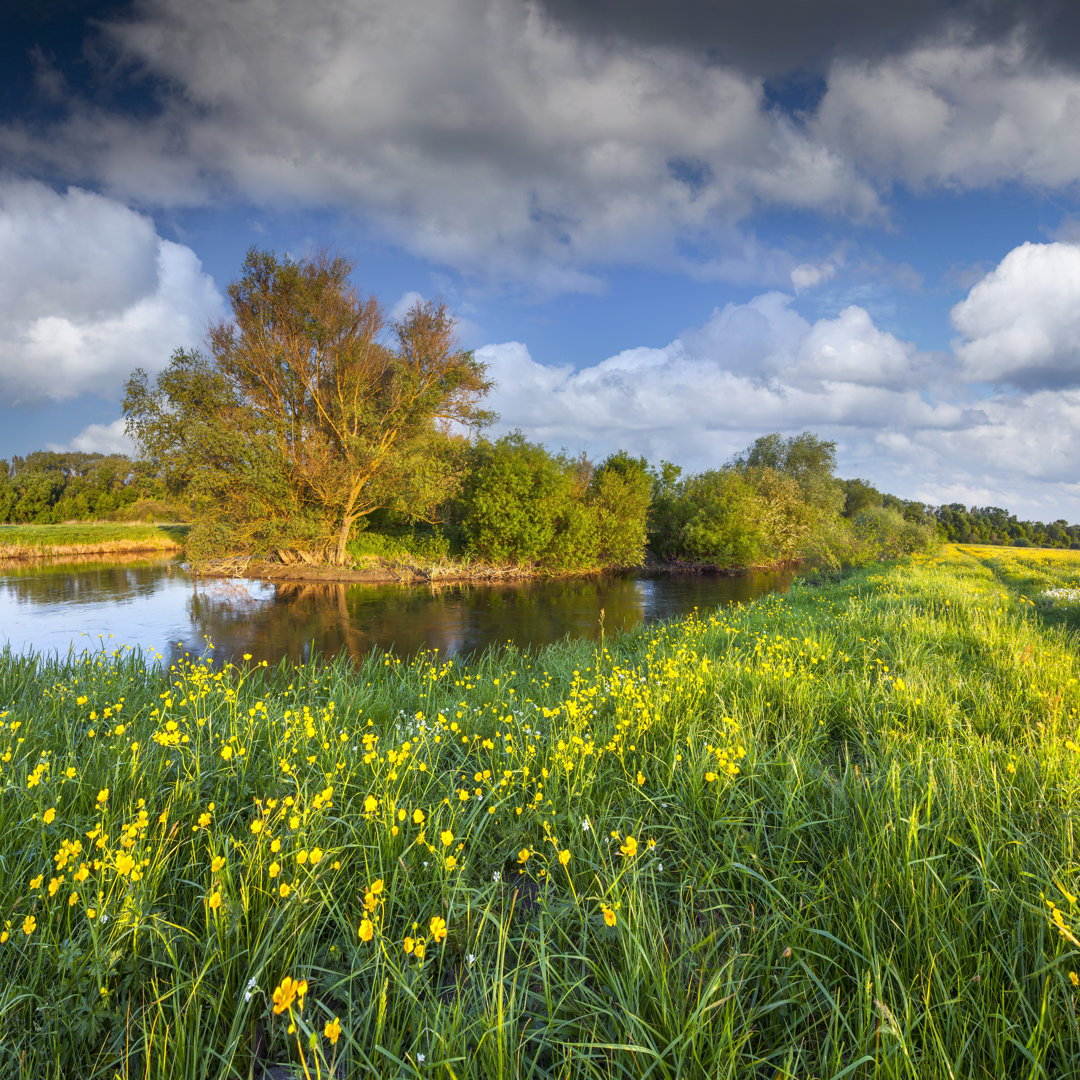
(35, 541)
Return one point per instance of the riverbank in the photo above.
(829, 832)
(26, 542)
(380, 570)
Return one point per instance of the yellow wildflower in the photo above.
(285, 995)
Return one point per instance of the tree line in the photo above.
(48, 488)
(313, 427)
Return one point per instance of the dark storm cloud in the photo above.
(776, 37)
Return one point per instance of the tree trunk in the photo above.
(343, 539)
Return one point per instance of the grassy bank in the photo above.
(829, 834)
(87, 538)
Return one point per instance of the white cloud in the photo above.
(404, 304)
(1021, 322)
(100, 439)
(480, 132)
(807, 275)
(89, 292)
(489, 137)
(955, 114)
(902, 418)
(752, 368)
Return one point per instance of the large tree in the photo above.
(310, 411)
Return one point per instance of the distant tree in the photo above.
(304, 419)
(859, 495)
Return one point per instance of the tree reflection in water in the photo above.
(155, 604)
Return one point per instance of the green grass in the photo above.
(852, 808)
(29, 541)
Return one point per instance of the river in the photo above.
(155, 605)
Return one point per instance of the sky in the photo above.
(665, 227)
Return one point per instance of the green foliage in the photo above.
(526, 506)
(47, 488)
(723, 523)
(993, 525)
(859, 495)
(730, 517)
(620, 491)
(410, 543)
(303, 420)
(808, 460)
(523, 506)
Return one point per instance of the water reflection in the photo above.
(153, 603)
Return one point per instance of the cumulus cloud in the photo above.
(955, 114)
(1021, 322)
(807, 275)
(89, 292)
(99, 439)
(902, 418)
(751, 368)
(541, 143)
(478, 132)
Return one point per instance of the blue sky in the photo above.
(666, 228)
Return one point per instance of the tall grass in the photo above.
(828, 834)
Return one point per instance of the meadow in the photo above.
(826, 834)
(87, 538)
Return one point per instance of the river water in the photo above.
(155, 605)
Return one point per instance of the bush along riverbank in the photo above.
(828, 833)
(521, 512)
